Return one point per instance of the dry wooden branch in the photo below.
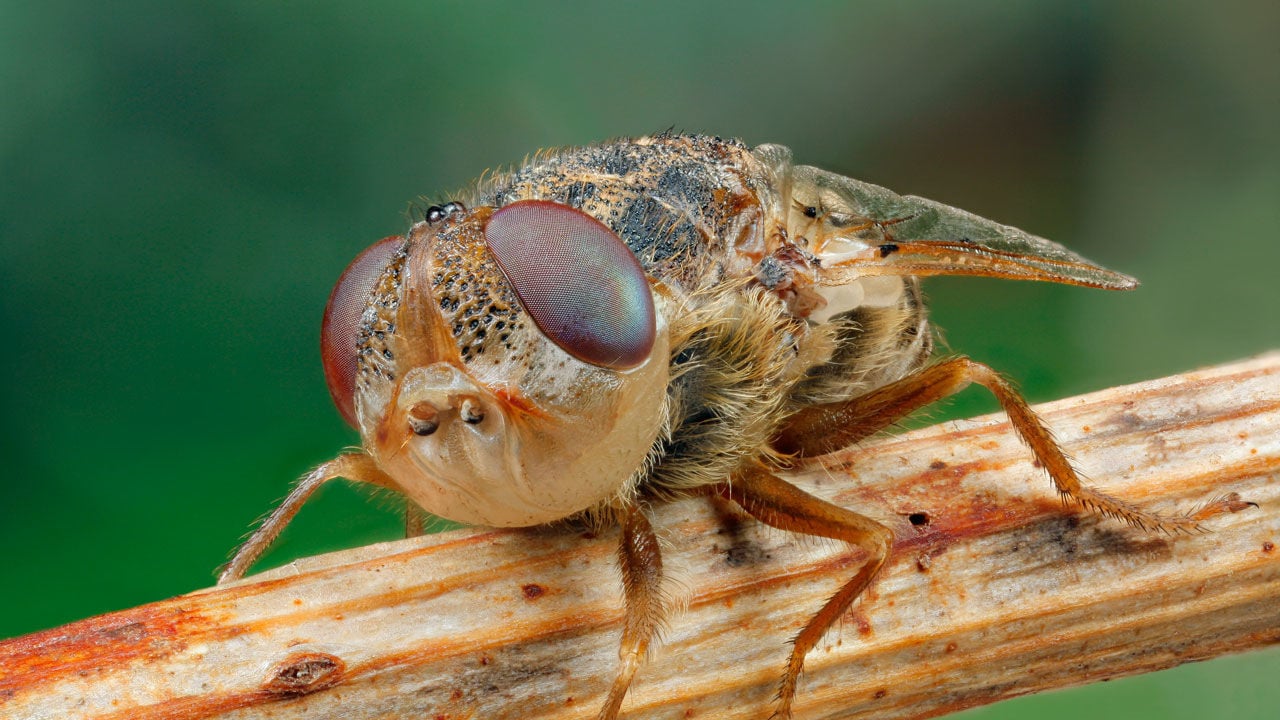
(993, 590)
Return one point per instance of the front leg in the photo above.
(640, 560)
(352, 466)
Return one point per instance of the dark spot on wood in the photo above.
(1114, 541)
(532, 591)
(1064, 536)
(1268, 547)
(888, 249)
(918, 519)
(882, 692)
(950, 648)
(305, 673)
(937, 465)
(1129, 421)
(744, 552)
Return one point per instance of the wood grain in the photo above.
(994, 589)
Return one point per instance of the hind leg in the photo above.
(825, 428)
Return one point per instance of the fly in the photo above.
(617, 325)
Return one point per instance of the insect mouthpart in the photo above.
(424, 418)
(470, 411)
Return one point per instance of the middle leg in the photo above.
(778, 503)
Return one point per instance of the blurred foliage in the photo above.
(180, 184)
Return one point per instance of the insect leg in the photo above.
(415, 520)
(780, 504)
(353, 466)
(824, 428)
(820, 429)
(640, 559)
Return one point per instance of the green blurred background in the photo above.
(180, 187)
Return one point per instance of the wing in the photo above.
(857, 229)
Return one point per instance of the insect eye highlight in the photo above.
(581, 285)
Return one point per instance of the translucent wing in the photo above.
(857, 229)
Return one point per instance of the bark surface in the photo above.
(993, 589)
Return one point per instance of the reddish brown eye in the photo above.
(338, 331)
(579, 282)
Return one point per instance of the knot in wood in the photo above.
(305, 673)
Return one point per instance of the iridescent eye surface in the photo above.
(579, 282)
(338, 331)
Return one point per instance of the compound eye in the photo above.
(579, 282)
(339, 332)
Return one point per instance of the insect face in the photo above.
(508, 368)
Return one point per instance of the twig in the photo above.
(994, 590)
